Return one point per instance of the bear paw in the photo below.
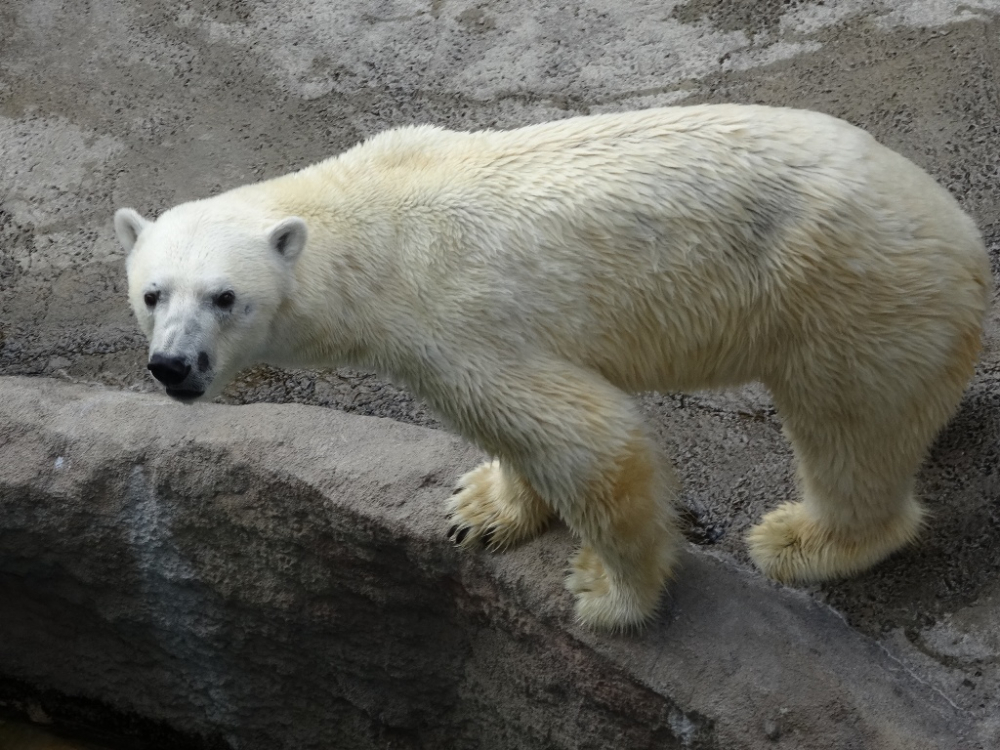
(494, 508)
(788, 545)
(607, 602)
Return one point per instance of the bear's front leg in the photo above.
(570, 444)
(627, 522)
(497, 507)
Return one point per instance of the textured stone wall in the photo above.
(277, 576)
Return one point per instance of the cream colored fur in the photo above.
(524, 282)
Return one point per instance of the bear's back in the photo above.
(684, 232)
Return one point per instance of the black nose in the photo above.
(168, 370)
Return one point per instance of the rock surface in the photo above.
(152, 102)
(277, 576)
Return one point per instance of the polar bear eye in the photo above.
(225, 300)
(151, 298)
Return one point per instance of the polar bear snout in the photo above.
(174, 372)
(168, 370)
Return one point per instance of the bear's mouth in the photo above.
(184, 395)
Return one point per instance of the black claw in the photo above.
(452, 530)
(487, 537)
(463, 532)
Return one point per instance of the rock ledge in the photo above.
(277, 576)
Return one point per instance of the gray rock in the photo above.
(271, 576)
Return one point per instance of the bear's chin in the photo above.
(185, 396)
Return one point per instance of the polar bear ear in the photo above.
(288, 237)
(128, 226)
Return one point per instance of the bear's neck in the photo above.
(356, 299)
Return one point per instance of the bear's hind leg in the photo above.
(795, 543)
(857, 462)
(496, 507)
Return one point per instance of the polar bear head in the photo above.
(206, 280)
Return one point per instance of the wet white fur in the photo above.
(523, 282)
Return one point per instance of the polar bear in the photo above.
(524, 282)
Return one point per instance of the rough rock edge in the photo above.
(266, 576)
